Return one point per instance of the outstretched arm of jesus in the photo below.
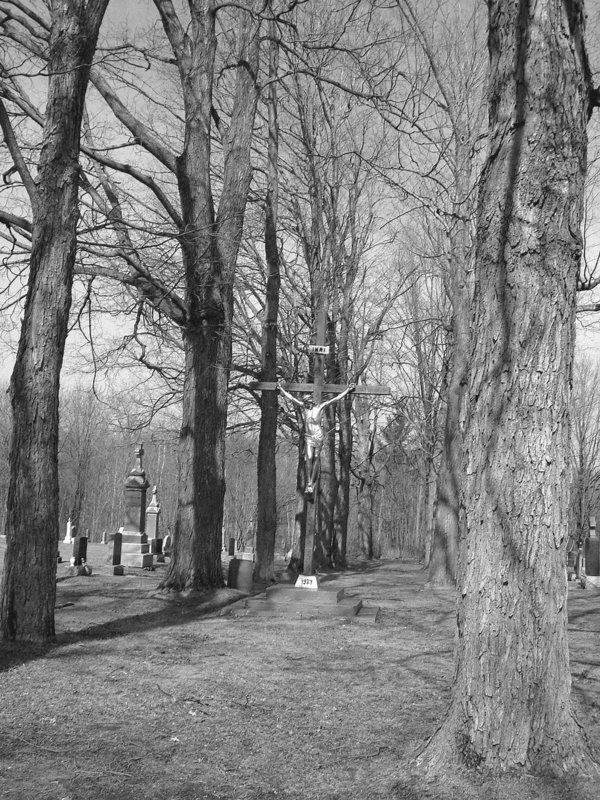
(350, 388)
(289, 396)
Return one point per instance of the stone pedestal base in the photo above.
(135, 550)
(142, 560)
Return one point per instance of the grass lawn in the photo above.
(151, 698)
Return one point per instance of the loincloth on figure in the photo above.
(314, 439)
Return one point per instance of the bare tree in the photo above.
(266, 515)
(450, 43)
(27, 601)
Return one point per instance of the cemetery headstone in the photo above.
(116, 557)
(69, 534)
(592, 555)
(79, 552)
(241, 568)
(135, 550)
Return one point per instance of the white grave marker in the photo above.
(307, 582)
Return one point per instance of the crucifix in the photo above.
(313, 435)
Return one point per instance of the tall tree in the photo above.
(510, 706)
(32, 525)
(451, 43)
(209, 241)
(266, 516)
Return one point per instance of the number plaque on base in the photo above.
(307, 582)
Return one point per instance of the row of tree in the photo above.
(140, 227)
(96, 448)
(246, 173)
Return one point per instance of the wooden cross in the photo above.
(326, 388)
(318, 388)
(320, 350)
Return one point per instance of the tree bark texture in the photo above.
(510, 706)
(32, 523)
(210, 243)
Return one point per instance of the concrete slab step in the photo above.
(260, 605)
(368, 614)
(291, 594)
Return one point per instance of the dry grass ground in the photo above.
(147, 698)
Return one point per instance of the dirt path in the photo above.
(158, 699)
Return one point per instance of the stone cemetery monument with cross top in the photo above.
(131, 546)
(313, 433)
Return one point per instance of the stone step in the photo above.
(368, 614)
(348, 607)
(290, 594)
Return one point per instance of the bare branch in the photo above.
(15, 152)
(173, 28)
(18, 222)
(142, 134)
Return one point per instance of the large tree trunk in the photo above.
(344, 448)
(342, 510)
(32, 524)
(210, 245)
(328, 488)
(365, 440)
(266, 516)
(444, 551)
(297, 559)
(510, 706)
(328, 484)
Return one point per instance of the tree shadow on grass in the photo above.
(176, 610)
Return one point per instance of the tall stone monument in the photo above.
(135, 550)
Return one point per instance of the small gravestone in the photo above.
(116, 555)
(241, 568)
(239, 575)
(79, 552)
(592, 555)
(156, 547)
(69, 534)
(78, 565)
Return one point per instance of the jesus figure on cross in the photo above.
(314, 435)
